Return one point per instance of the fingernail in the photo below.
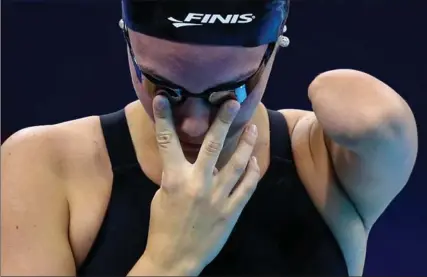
(253, 129)
(233, 108)
(162, 103)
(254, 159)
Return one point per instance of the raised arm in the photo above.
(371, 136)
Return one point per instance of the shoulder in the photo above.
(309, 150)
(39, 167)
(295, 117)
(61, 149)
(307, 141)
(300, 127)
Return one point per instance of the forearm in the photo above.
(146, 267)
(353, 107)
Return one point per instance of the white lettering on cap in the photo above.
(199, 19)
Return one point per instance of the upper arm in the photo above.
(371, 136)
(34, 209)
(315, 169)
(374, 170)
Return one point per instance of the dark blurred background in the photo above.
(66, 59)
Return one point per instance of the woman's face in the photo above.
(197, 68)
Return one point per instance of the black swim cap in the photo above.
(245, 23)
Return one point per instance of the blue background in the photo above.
(63, 60)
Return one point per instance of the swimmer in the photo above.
(197, 177)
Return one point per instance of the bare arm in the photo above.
(371, 136)
(34, 210)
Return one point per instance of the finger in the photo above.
(236, 167)
(214, 140)
(244, 191)
(168, 143)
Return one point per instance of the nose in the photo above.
(193, 119)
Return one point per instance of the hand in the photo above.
(195, 210)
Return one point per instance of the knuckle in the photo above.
(170, 183)
(217, 197)
(213, 147)
(217, 205)
(224, 216)
(159, 113)
(255, 171)
(250, 187)
(164, 138)
(224, 211)
(197, 194)
(225, 118)
(239, 166)
(249, 139)
(257, 176)
(230, 213)
(170, 188)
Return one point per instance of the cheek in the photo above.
(146, 101)
(144, 98)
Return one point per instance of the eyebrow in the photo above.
(236, 79)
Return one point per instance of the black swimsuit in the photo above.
(280, 232)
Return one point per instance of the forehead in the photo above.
(185, 64)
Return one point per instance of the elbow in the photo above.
(386, 127)
(353, 106)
